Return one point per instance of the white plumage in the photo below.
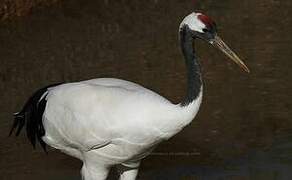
(116, 121)
(106, 122)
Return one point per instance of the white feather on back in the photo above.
(119, 117)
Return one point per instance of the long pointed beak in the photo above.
(219, 43)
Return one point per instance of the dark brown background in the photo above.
(244, 119)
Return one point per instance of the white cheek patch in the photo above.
(193, 22)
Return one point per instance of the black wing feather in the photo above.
(31, 116)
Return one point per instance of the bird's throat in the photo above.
(194, 80)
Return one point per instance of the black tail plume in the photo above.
(31, 116)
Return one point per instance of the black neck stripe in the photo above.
(194, 81)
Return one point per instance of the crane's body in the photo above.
(137, 121)
(106, 122)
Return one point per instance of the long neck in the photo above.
(194, 81)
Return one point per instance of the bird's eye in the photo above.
(205, 30)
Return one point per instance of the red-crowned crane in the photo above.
(109, 122)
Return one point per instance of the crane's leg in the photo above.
(97, 172)
(94, 167)
(128, 172)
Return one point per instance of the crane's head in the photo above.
(203, 27)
